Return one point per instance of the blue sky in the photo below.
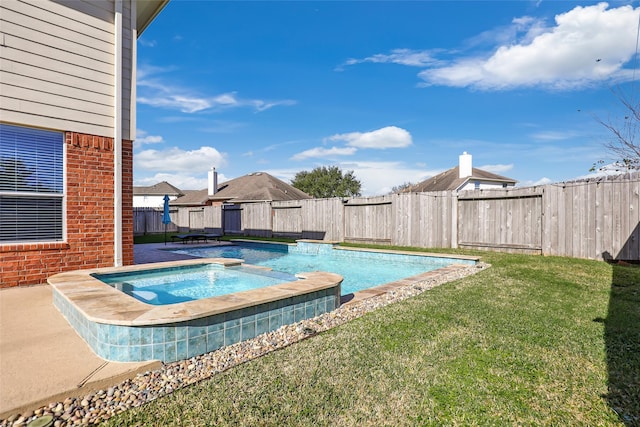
(393, 91)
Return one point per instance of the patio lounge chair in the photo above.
(212, 236)
(180, 237)
(195, 236)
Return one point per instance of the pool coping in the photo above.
(102, 303)
(355, 297)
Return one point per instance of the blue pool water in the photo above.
(360, 269)
(180, 284)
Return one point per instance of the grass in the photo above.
(533, 340)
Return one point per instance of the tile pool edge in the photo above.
(121, 328)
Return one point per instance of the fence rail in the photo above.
(595, 219)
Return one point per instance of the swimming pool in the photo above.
(360, 268)
(121, 328)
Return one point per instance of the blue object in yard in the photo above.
(166, 218)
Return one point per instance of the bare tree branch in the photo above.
(623, 143)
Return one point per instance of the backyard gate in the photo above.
(232, 219)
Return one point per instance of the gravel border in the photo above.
(104, 404)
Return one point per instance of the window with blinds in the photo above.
(31, 184)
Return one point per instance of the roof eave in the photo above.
(472, 178)
(249, 201)
(187, 204)
(512, 181)
(146, 11)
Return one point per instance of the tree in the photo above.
(623, 143)
(400, 188)
(324, 182)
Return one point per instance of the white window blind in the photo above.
(31, 184)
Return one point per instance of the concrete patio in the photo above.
(43, 359)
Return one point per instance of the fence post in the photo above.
(453, 196)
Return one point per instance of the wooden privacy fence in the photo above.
(595, 219)
(149, 220)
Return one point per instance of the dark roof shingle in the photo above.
(257, 186)
(159, 189)
(450, 180)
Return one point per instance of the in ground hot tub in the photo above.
(121, 328)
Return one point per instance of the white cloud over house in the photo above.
(185, 169)
(175, 159)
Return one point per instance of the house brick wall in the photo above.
(90, 217)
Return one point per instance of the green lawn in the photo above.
(531, 341)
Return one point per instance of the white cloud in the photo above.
(182, 181)
(387, 137)
(586, 45)
(609, 169)
(150, 139)
(155, 92)
(147, 43)
(158, 94)
(265, 105)
(146, 70)
(142, 139)
(378, 178)
(499, 169)
(555, 135)
(320, 152)
(175, 159)
(412, 58)
(529, 183)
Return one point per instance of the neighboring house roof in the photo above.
(450, 180)
(159, 189)
(191, 198)
(254, 187)
(146, 11)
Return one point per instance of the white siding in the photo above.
(127, 70)
(56, 65)
(471, 185)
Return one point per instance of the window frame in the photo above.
(32, 234)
